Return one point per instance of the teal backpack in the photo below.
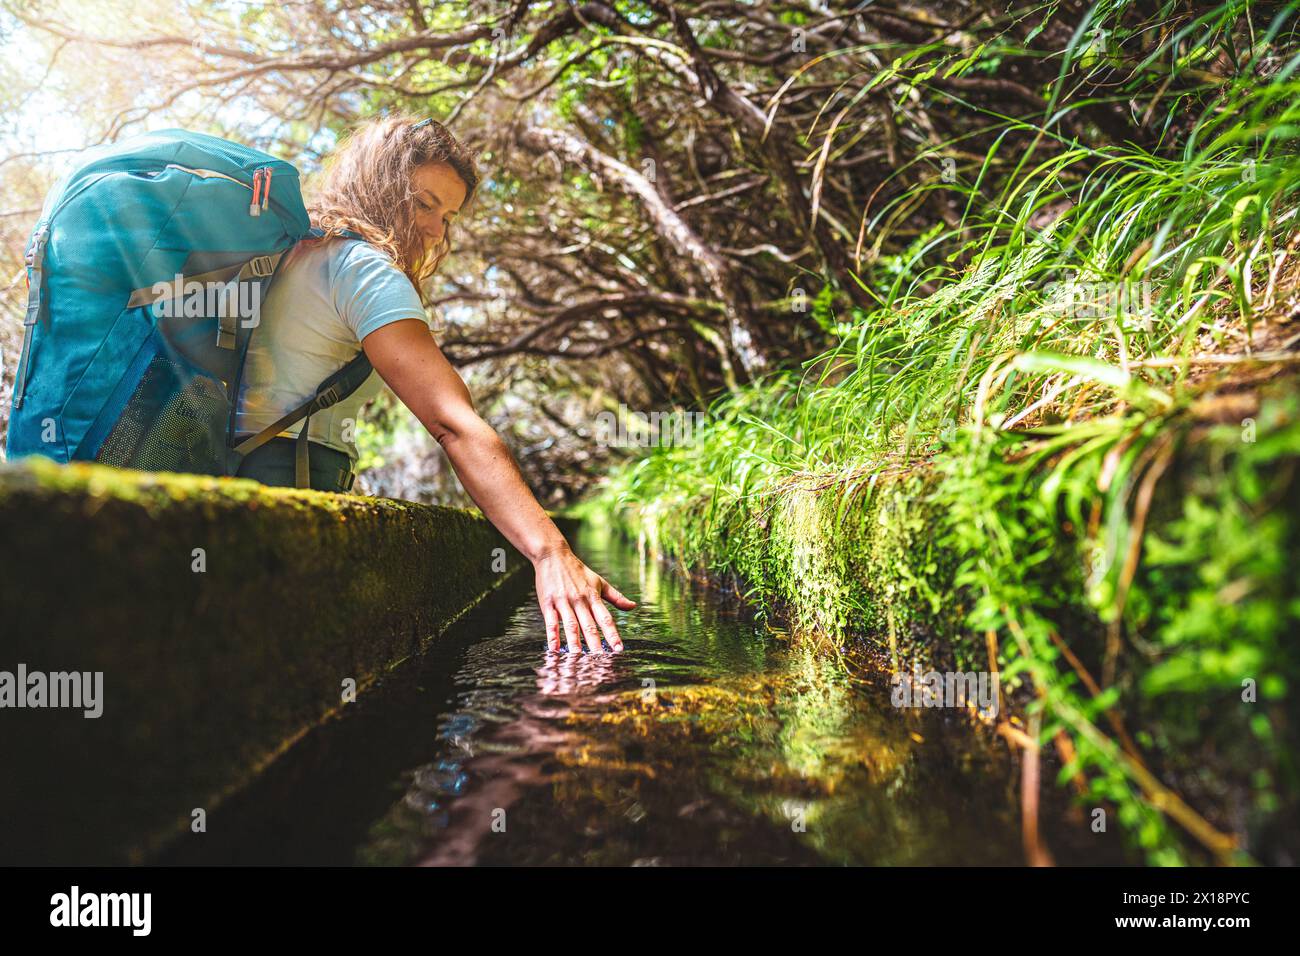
(146, 272)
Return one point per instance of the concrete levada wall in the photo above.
(166, 636)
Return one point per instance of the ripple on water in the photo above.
(706, 741)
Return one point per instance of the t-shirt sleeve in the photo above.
(371, 292)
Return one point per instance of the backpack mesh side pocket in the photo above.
(175, 420)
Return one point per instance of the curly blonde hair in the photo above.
(366, 187)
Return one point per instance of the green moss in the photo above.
(36, 473)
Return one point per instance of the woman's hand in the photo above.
(569, 591)
(407, 358)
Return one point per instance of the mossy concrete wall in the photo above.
(227, 619)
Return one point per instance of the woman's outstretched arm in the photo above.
(409, 360)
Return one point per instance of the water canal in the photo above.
(710, 740)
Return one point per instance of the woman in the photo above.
(399, 184)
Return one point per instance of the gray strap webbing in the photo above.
(257, 267)
(302, 456)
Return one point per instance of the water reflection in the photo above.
(503, 753)
(706, 741)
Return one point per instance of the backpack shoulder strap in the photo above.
(330, 392)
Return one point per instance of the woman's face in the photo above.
(439, 193)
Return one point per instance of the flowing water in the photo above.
(709, 740)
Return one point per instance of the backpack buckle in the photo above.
(35, 257)
(261, 267)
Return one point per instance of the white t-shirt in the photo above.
(325, 298)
